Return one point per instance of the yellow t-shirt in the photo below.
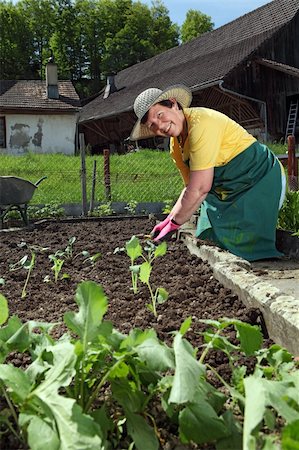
(213, 140)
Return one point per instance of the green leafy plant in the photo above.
(27, 262)
(288, 218)
(148, 253)
(92, 259)
(57, 265)
(104, 209)
(68, 252)
(159, 295)
(3, 310)
(168, 205)
(93, 387)
(66, 255)
(134, 251)
(131, 207)
(51, 210)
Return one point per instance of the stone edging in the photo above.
(280, 311)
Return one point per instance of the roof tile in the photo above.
(32, 94)
(211, 56)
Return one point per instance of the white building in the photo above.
(38, 116)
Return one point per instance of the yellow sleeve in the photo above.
(205, 139)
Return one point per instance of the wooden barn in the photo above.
(248, 69)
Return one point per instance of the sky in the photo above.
(220, 11)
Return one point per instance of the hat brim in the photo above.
(183, 96)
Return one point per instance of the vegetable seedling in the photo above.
(27, 263)
(160, 295)
(57, 265)
(149, 252)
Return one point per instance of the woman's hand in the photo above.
(156, 230)
(167, 231)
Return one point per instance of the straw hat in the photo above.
(150, 97)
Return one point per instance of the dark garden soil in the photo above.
(193, 291)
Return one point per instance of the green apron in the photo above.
(240, 212)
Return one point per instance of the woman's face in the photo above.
(164, 121)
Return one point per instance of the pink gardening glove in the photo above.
(156, 230)
(167, 231)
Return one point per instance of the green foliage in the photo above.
(27, 263)
(67, 255)
(144, 176)
(88, 39)
(148, 253)
(57, 265)
(288, 218)
(168, 205)
(40, 18)
(57, 402)
(50, 210)
(3, 310)
(131, 206)
(16, 46)
(103, 210)
(195, 24)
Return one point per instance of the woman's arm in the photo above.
(193, 195)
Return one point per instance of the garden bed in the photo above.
(193, 290)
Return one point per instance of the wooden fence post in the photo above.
(292, 164)
(93, 186)
(83, 174)
(106, 153)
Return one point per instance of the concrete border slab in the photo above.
(279, 308)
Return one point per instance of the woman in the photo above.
(238, 182)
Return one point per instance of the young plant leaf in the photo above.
(162, 295)
(40, 434)
(16, 380)
(234, 439)
(250, 336)
(142, 434)
(93, 304)
(145, 272)
(290, 436)
(185, 325)
(4, 313)
(187, 372)
(156, 354)
(160, 250)
(199, 423)
(255, 406)
(133, 248)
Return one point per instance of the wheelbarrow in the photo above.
(15, 194)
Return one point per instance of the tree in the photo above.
(144, 33)
(195, 24)
(65, 41)
(88, 38)
(130, 44)
(15, 44)
(163, 33)
(40, 18)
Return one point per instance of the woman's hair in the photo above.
(167, 103)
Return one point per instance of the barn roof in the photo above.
(203, 60)
(24, 95)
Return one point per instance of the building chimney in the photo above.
(110, 86)
(52, 79)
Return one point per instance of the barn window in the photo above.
(2, 132)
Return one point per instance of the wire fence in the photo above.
(140, 176)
